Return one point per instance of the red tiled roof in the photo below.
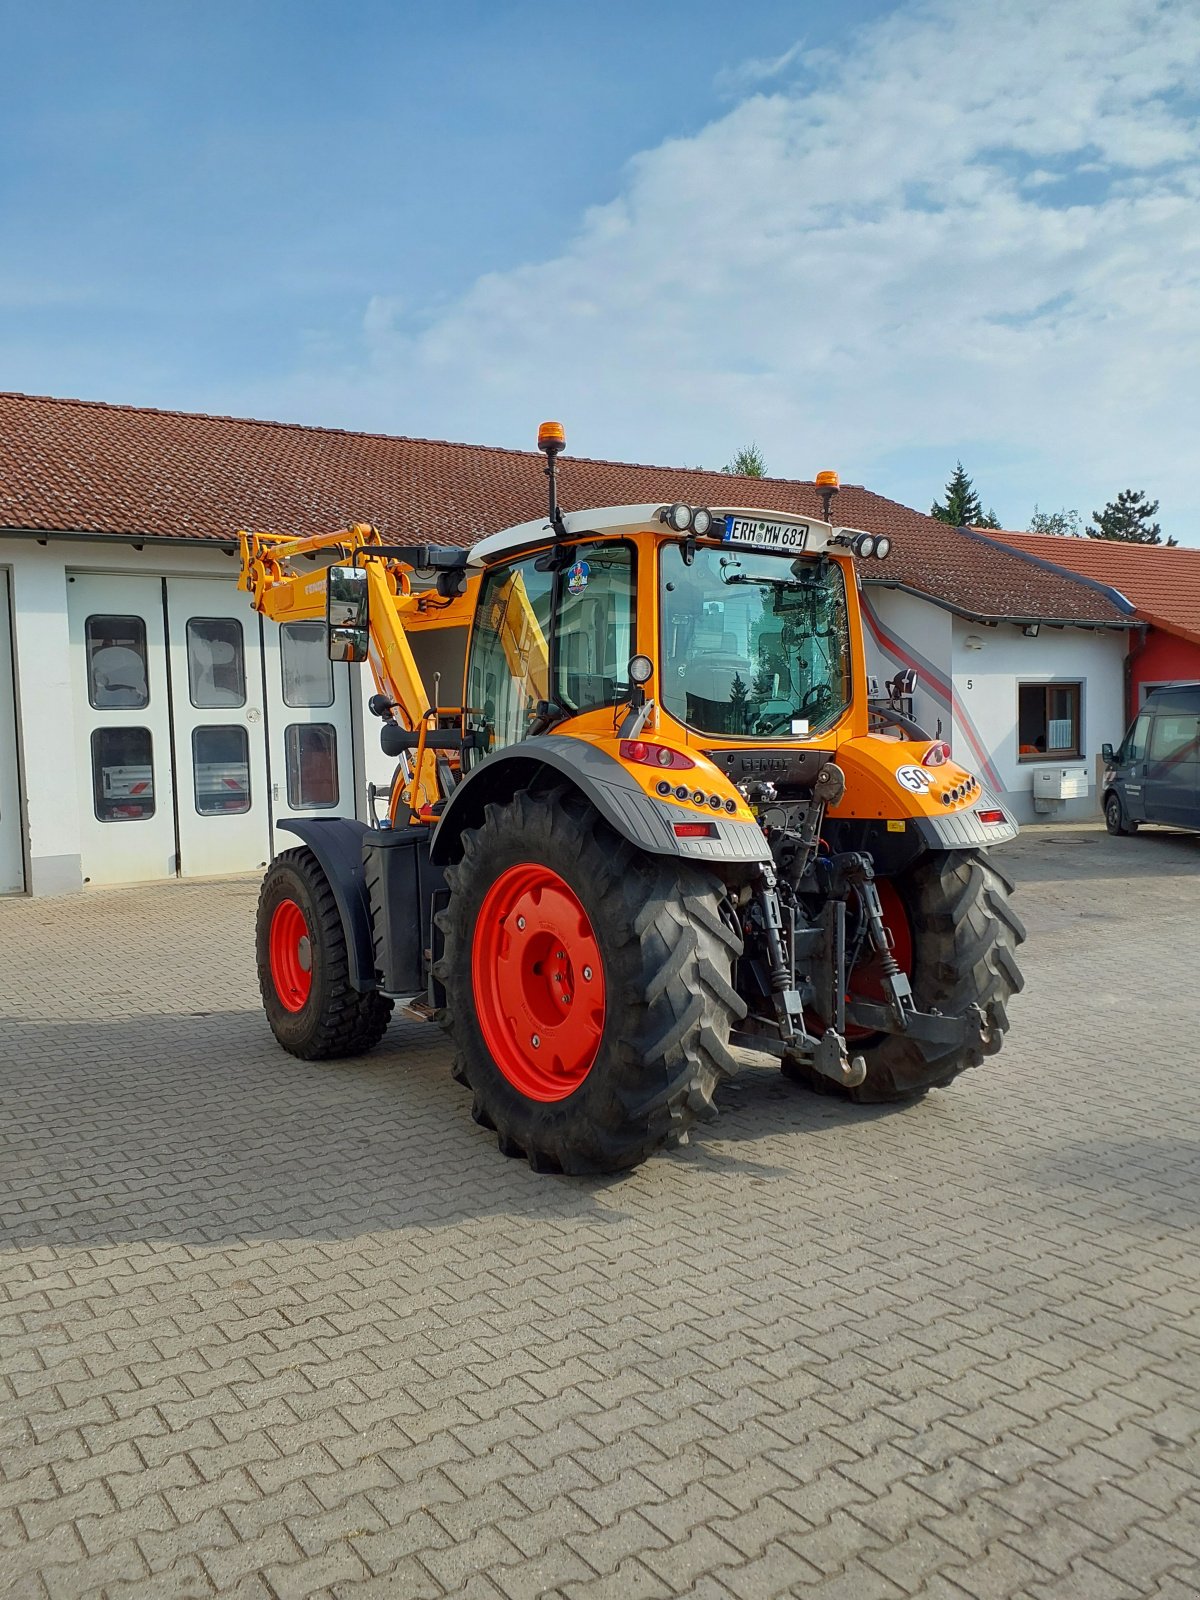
(1161, 581)
(84, 467)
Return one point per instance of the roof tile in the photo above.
(87, 467)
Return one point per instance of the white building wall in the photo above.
(904, 631)
(989, 665)
(973, 691)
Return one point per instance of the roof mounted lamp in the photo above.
(827, 487)
(552, 440)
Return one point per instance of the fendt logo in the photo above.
(765, 764)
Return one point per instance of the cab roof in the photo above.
(617, 520)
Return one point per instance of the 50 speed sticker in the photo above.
(915, 779)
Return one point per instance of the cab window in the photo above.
(509, 667)
(1134, 748)
(595, 632)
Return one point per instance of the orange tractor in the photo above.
(661, 815)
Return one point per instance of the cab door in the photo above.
(1131, 767)
(220, 751)
(122, 718)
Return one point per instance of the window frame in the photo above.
(579, 551)
(299, 729)
(1047, 686)
(223, 705)
(238, 729)
(90, 654)
(126, 729)
(284, 636)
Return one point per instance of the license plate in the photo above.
(765, 535)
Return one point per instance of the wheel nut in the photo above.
(587, 974)
(536, 1041)
(521, 923)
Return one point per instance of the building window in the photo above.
(123, 774)
(1048, 725)
(116, 663)
(216, 662)
(307, 669)
(310, 751)
(221, 770)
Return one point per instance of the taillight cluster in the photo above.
(654, 755)
(937, 755)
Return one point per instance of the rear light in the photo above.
(653, 755)
(695, 830)
(991, 816)
(937, 755)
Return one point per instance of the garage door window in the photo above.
(307, 669)
(221, 770)
(1048, 721)
(216, 662)
(123, 774)
(116, 662)
(310, 750)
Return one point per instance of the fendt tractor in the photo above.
(662, 812)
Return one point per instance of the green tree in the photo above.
(739, 705)
(748, 463)
(1062, 524)
(962, 508)
(1127, 519)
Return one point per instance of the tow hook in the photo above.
(831, 1059)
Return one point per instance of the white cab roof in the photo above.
(616, 520)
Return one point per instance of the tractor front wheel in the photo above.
(955, 934)
(303, 968)
(588, 986)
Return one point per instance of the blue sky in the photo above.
(877, 237)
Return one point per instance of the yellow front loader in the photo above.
(646, 807)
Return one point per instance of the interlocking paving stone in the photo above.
(272, 1328)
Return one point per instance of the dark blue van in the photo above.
(1155, 775)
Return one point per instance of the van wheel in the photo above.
(1115, 819)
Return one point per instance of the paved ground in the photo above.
(276, 1329)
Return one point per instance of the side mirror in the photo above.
(1106, 754)
(347, 613)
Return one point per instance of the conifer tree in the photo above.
(1127, 519)
(962, 508)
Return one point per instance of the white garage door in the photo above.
(201, 727)
(12, 867)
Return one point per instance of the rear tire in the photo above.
(641, 1065)
(303, 966)
(1115, 819)
(964, 939)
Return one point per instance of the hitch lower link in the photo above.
(827, 1055)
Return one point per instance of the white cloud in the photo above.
(972, 235)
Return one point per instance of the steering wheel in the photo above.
(817, 701)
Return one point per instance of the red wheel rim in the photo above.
(290, 951)
(539, 982)
(866, 981)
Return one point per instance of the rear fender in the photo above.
(624, 805)
(337, 843)
(891, 796)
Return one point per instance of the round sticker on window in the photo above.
(577, 578)
(915, 779)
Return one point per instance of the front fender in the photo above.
(636, 816)
(337, 843)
